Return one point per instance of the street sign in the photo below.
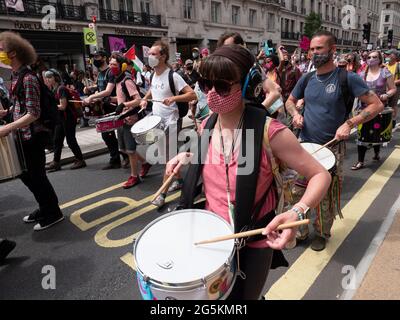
(89, 36)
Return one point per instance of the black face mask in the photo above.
(98, 63)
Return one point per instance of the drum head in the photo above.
(324, 156)
(165, 251)
(145, 124)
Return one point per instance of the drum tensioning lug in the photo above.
(204, 282)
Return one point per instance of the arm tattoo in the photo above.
(365, 114)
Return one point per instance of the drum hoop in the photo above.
(183, 286)
(334, 155)
(144, 132)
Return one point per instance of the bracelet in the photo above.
(300, 214)
(350, 123)
(303, 206)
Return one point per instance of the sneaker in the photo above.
(48, 222)
(176, 185)
(112, 166)
(132, 181)
(159, 201)
(6, 246)
(318, 244)
(145, 169)
(126, 164)
(53, 166)
(78, 164)
(33, 217)
(376, 158)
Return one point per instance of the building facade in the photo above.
(186, 24)
(133, 22)
(390, 20)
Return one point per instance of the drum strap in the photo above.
(246, 184)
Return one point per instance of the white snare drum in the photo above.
(11, 159)
(146, 131)
(324, 156)
(171, 267)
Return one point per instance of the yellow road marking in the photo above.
(101, 236)
(90, 196)
(129, 259)
(295, 283)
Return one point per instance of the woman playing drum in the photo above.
(223, 75)
(381, 81)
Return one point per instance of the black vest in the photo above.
(246, 184)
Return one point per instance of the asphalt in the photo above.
(89, 264)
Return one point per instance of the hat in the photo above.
(205, 51)
(188, 61)
(196, 49)
(393, 51)
(100, 52)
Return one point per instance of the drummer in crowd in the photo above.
(324, 119)
(19, 53)
(223, 76)
(66, 125)
(105, 88)
(381, 81)
(168, 110)
(125, 86)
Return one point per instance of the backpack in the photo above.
(73, 94)
(48, 103)
(183, 107)
(140, 115)
(348, 98)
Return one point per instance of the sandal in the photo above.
(357, 166)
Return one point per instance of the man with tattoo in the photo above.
(329, 96)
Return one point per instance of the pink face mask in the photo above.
(224, 104)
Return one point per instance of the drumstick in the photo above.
(324, 146)
(75, 101)
(254, 232)
(167, 182)
(152, 100)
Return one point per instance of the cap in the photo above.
(188, 61)
(196, 49)
(100, 52)
(393, 51)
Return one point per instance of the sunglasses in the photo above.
(222, 87)
(373, 57)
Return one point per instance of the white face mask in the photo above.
(153, 61)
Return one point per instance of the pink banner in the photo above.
(116, 44)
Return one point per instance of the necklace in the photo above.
(227, 160)
(323, 81)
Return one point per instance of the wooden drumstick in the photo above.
(152, 100)
(75, 101)
(324, 146)
(167, 182)
(254, 232)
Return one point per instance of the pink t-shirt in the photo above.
(131, 87)
(214, 180)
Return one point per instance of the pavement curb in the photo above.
(86, 155)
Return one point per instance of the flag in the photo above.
(131, 55)
(18, 5)
(145, 51)
(116, 44)
(89, 36)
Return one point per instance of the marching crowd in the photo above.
(317, 97)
